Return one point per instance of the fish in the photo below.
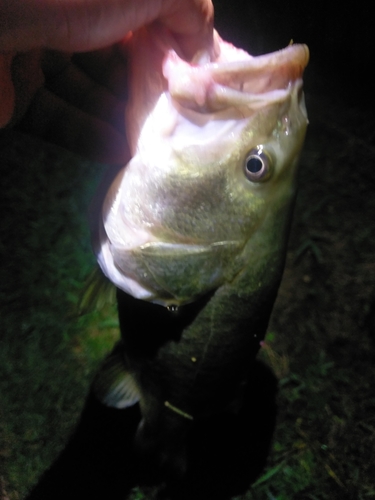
(193, 231)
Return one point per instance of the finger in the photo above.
(72, 85)
(7, 93)
(78, 26)
(71, 25)
(108, 67)
(27, 78)
(57, 121)
(191, 23)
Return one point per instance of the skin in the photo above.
(62, 65)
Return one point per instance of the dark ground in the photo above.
(321, 343)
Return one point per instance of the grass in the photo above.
(47, 353)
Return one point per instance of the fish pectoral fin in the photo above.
(97, 292)
(114, 385)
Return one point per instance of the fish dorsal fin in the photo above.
(114, 384)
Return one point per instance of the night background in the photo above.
(320, 344)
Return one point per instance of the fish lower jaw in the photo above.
(170, 274)
(117, 277)
(131, 286)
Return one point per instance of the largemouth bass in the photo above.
(194, 230)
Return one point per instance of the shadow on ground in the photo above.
(225, 453)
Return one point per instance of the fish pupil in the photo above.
(254, 165)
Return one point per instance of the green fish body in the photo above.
(194, 230)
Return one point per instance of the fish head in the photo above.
(215, 155)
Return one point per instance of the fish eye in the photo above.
(258, 165)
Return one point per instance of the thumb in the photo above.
(77, 26)
(20, 77)
(71, 25)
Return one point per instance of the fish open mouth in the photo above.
(235, 78)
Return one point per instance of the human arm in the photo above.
(80, 98)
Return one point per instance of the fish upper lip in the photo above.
(294, 56)
(275, 71)
(253, 81)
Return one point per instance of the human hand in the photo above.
(63, 73)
